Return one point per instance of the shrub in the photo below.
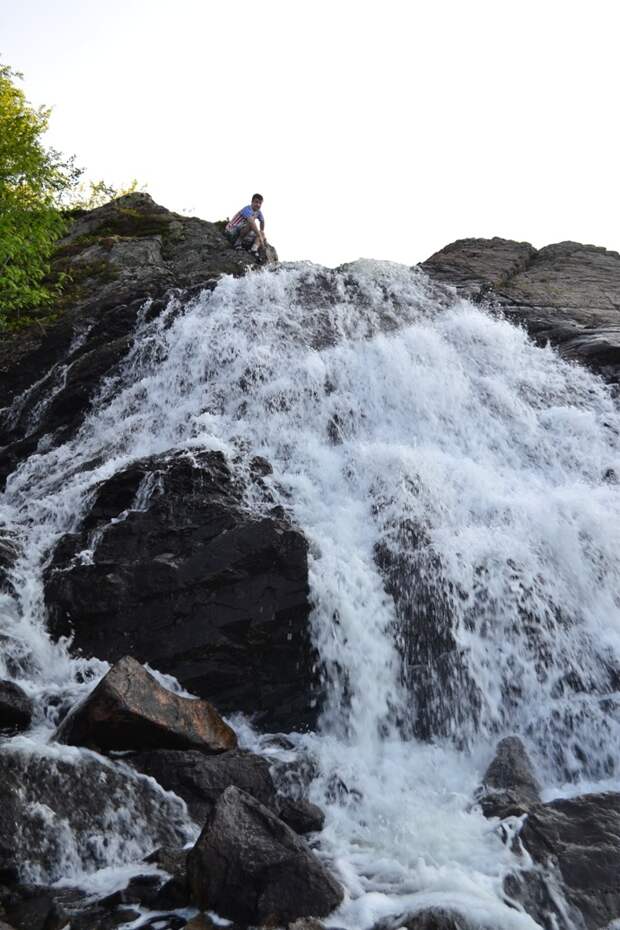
(33, 179)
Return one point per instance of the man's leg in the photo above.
(247, 237)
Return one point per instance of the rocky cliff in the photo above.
(567, 294)
(168, 564)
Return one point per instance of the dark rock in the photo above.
(36, 907)
(293, 776)
(249, 866)
(64, 808)
(431, 919)
(172, 859)
(195, 585)
(174, 892)
(200, 779)
(129, 709)
(152, 892)
(577, 842)
(36, 910)
(115, 257)
(300, 815)
(15, 707)
(510, 787)
(567, 294)
(96, 917)
(445, 699)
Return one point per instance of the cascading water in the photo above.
(457, 486)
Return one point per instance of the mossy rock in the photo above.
(134, 224)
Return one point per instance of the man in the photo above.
(242, 231)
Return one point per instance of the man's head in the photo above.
(257, 201)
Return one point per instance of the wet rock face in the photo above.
(15, 707)
(117, 256)
(510, 787)
(250, 867)
(578, 841)
(567, 293)
(575, 843)
(63, 811)
(445, 699)
(129, 709)
(194, 585)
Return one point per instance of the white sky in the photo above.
(383, 129)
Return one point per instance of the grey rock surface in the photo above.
(200, 779)
(62, 809)
(567, 294)
(250, 867)
(578, 841)
(510, 787)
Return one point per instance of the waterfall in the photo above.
(457, 486)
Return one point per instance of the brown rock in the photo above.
(129, 709)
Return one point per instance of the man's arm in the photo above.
(251, 222)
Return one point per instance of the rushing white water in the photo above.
(432, 455)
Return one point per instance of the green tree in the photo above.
(91, 194)
(32, 181)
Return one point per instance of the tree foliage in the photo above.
(91, 194)
(32, 179)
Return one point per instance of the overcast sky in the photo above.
(382, 130)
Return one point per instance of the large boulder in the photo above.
(510, 786)
(565, 293)
(574, 844)
(129, 709)
(62, 810)
(191, 582)
(200, 779)
(249, 866)
(576, 841)
(15, 707)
